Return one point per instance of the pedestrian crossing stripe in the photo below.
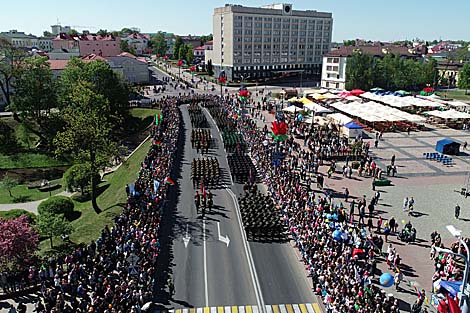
(275, 308)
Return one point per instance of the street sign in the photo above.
(132, 259)
(133, 270)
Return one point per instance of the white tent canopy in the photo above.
(402, 102)
(376, 112)
(315, 107)
(292, 109)
(449, 114)
(339, 118)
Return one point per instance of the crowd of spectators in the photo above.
(115, 273)
(342, 268)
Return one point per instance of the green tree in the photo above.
(35, 97)
(102, 32)
(56, 205)
(77, 177)
(87, 135)
(189, 54)
(182, 52)
(351, 42)
(103, 81)
(73, 32)
(51, 225)
(25, 135)
(8, 141)
(206, 38)
(159, 43)
(11, 65)
(47, 34)
(125, 47)
(464, 77)
(9, 183)
(359, 72)
(176, 47)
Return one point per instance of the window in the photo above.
(237, 17)
(248, 18)
(268, 25)
(258, 25)
(248, 24)
(247, 31)
(237, 24)
(267, 32)
(237, 31)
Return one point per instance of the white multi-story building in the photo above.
(20, 39)
(270, 41)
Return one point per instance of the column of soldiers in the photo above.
(261, 219)
(233, 141)
(201, 139)
(205, 171)
(197, 117)
(242, 168)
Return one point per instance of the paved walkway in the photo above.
(31, 206)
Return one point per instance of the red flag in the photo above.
(357, 251)
(203, 189)
(453, 305)
(169, 181)
(180, 63)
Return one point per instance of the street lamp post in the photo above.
(463, 300)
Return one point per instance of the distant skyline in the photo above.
(363, 19)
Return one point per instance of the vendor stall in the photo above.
(351, 130)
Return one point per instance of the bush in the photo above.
(77, 176)
(15, 213)
(57, 205)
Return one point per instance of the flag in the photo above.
(203, 189)
(158, 118)
(180, 63)
(169, 181)
(453, 305)
(157, 143)
(156, 184)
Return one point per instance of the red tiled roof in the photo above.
(199, 48)
(62, 64)
(89, 37)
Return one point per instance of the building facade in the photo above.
(20, 39)
(87, 44)
(270, 41)
(139, 42)
(333, 73)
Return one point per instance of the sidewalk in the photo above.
(31, 206)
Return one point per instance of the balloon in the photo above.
(403, 222)
(337, 235)
(386, 280)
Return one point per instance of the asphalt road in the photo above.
(242, 273)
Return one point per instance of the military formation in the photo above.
(242, 168)
(261, 219)
(205, 172)
(197, 117)
(201, 139)
(233, 141)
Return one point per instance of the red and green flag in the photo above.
(169, 181)
(158, 118)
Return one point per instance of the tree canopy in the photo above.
(176, 47)
(51, 225)
(87, 135)
(18, 243)
(103, 81)
(11, 64)
(464, 77)
(159, 44)
(56, 205)
(364, 71)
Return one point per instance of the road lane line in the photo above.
(289, 308)
(192, 310)
(241, 309)
(213, 309)
(205, 261)
(228, 309)
(248, 309)
(296, 308)
(310, 308)
(251, 263)
(283, 309)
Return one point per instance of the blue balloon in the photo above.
(337, 235)
(386, 280)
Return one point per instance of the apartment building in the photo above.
(256, 43)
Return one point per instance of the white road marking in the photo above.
(251, 263)
(206, 292)
(224, 239)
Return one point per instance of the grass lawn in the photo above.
(29, 160)
(454, 94)
(89, 225)
(21, 193)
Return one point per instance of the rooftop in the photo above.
(379, 51)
